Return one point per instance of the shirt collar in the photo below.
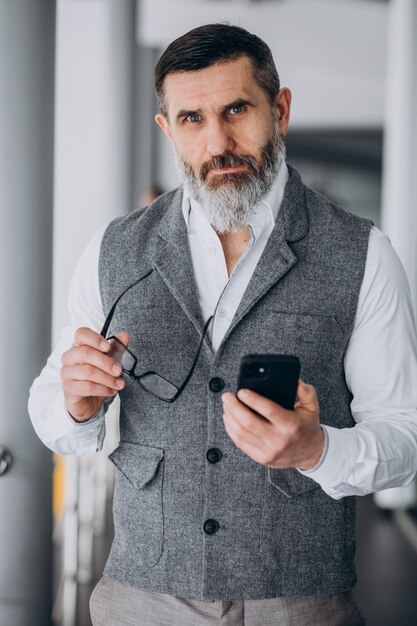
(262, 214)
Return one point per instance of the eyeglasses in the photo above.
(150, 381)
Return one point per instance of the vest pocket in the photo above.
(301, 527)
(137, 501)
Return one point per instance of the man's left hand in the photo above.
(272, 435)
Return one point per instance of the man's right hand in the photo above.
(89, 375)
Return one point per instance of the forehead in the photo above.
(216, 85)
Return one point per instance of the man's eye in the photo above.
(193, 117)
(238, 108)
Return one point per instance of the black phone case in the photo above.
(278, 381)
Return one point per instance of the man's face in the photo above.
(225, 133)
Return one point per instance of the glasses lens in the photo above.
(158, 386)
(121, 354)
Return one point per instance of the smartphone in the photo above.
(272, 375)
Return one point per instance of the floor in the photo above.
(387, 567)
(386, 564)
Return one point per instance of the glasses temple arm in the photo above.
(109, 317)
(190, 373)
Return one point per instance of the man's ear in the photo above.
(283, 109)
(163, 123)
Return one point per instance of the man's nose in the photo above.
(219, 138)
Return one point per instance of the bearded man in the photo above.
(228, 508)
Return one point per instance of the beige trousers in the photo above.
(116, 604)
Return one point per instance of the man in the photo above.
(228, 508)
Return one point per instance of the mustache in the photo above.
(226, 160)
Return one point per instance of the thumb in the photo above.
(307, 397)
(123, 337)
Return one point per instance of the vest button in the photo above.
(216, 384)
(211, 526)
(214, 455)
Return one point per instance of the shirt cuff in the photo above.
(335, 463)
(92, 420)
(62, 421)
(323, 455)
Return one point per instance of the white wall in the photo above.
(399, 207)
(27, 32)
(93, 129)
(331, 54)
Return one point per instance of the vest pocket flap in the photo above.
(138, 463)
(290, 482)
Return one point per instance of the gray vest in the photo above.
(278, 533)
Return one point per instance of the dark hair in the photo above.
(216, 43)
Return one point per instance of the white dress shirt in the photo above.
(380, 362)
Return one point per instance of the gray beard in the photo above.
(228, 202)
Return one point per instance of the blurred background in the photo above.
(78, 146)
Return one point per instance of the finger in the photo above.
(81, 389)
(124, 338)
(307, 396)
(87, 372)
(88, 337)
(238, 434)
(249, 443)
(264, 406)
(248, 420)
(86, 355)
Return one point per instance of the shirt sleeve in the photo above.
(380, 451)
(50, 419)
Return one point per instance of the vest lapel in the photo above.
(173, 261)
(277, 258)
